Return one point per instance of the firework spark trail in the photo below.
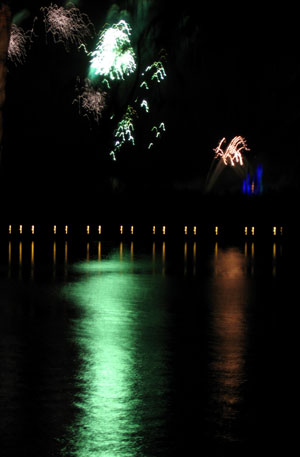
(91, 101)
(233, 152)
(17, 44)
(158, 71)
(113, 57)
(157, 131)
(67, 25)
(145, 105)
(124, 131)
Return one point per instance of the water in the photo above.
(146, 349)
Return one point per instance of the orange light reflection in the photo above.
(228, 339)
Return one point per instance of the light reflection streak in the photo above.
(194, 257)
(131, 251)
(153, 257)
(66, 253)
(216, 249)
(32, 261)
(20, 258)
(9, 259)
(252, 258)
(121, 251)
(249, 255)
(228, 338)
(274, 251)
(116, 375)
(66, 260)
(185, 258)
(54, 253)
(54, 259)
(274, 269)
(163, 258)
(99, 251)
(20, 253)
(87, 251)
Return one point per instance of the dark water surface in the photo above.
(150, 349)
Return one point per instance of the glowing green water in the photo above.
(120, 367)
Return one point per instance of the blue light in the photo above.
(252, 184)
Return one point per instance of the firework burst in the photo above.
(113, 57)
(91, 101)
(17, 52)
(233, 153)
(230, 155)
(112, 61)
(67, 25)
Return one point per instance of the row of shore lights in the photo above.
(88, 229)
(247, 230)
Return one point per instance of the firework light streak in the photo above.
(91, 101)
(159, 72)
(124, 131)
(231, 155)
(145, 105)
(113, 57)
(158, 129)
(144, 84)
(67, 25)
(157, 132)
(17, 44)
(155, 72)
(113, 60)
(233, 152)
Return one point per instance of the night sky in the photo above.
(228, 73)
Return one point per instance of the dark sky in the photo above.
(228, 73)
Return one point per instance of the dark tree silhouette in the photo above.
(5, 25)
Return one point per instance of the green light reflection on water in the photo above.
(117, 362)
